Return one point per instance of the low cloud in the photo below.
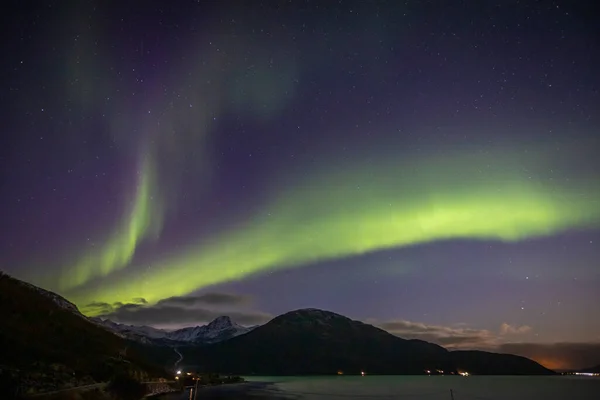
(160, 315)
(180, 311)
(97, 307)
(507, 329)
(557, 355)
(101, 308)
(213, 298)
(453, 337)
(458, 336)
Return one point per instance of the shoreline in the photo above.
(240, 390)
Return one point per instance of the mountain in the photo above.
(222, 328)
(311, 341)
(46, 343)
(143, 334)
(55, 298)
(486, 363)
(591, 370)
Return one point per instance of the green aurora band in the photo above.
(143, 220)
(358, 209)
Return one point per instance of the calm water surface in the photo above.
(436, 387)
(407, 388)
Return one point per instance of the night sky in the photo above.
(430, 167)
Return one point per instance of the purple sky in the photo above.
(241, 113)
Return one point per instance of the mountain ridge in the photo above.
(49, 345)
(304, 319)
(312, 341)
(221, 328)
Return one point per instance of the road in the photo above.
(180, 357)
(78, 388)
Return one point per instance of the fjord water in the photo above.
(433, 387)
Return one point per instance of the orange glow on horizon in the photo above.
(551, 363)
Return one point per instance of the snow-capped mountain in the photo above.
(222, 328)
(131, 331)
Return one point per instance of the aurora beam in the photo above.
(143, 220)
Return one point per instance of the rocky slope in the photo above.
(46, 343)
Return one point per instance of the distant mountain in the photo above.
(485, 363)
(46, 343)
(591, 370)
(144, 334)
(222, 328)
(311, 341)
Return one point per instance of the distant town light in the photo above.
(464, 373)
(178, 372)
(362, 373)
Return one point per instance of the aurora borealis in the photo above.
(382, 160)
(359, 211)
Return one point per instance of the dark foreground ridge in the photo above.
(311, 341)
(47, 345)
